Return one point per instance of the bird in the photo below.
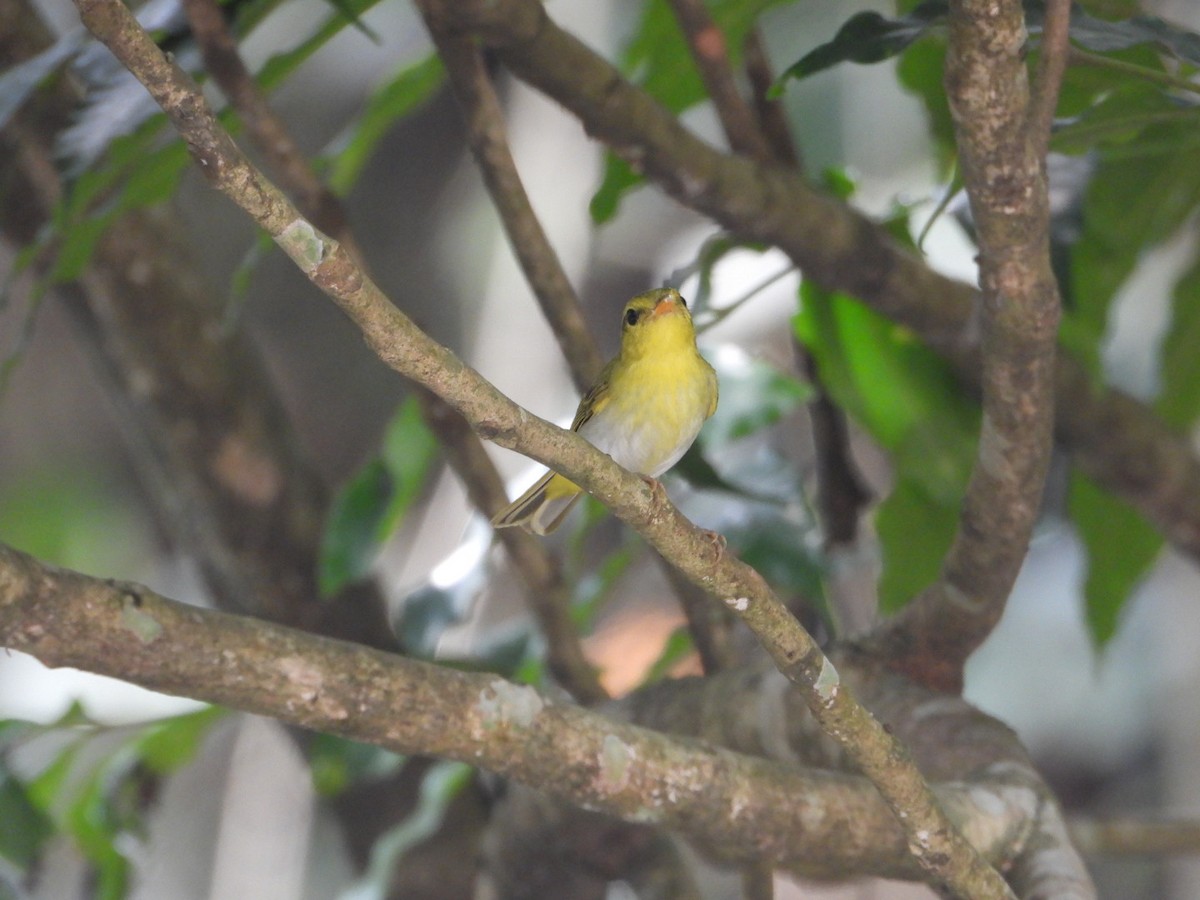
(644, 410)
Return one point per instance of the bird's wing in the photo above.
(595, 399)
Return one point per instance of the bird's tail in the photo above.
(551, 498)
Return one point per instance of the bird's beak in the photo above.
(665, 306)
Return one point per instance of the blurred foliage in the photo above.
(93, 786)
(371, 506)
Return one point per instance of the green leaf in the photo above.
(393, 100)
(279, 66)
(441, 785)
(1120, 545)
(1131, 204)
(24, 828)
(337, 763)
(357, 526)
(20, 81)
(1179, 399)
(779, 549)
(908, 399)
(170, 744)
(867, 37)
(915, 532)
(677, 647)
(371, 506)
(618, 180)
(754, 395)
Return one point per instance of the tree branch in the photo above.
(739, 807)
(711, 56)
(1003, 165)
(489, 144)
(949, 861)
(1056, 49)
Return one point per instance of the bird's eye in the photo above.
(682, 301)
(632, 316)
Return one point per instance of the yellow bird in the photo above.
(644, 411)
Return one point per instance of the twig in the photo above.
(268, 132)
(708, 621)
(841, 495)
(948, 859)
(711, 56)
(1166, 79)
(1141, 837)
(1056, 47)
(771, 117)
(546, 593)
(489, 143)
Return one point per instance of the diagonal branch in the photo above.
(489, 143)
(948, 859)
(711, 56)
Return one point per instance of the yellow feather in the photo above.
(644, 410)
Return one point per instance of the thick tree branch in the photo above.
(1003, 164)
(838, 248)
(739, 807)
(951, 863)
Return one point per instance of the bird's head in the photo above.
(655, 322)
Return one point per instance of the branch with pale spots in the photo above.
(737, 807)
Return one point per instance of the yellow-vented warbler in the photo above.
(644, 411)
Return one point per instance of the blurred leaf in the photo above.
(1179, 400)
(24, 828)
(1120, 545)
(409, 448)
(920, 72)
(618, 179)
(1131, 204)
(677, 647)
(394, 100)
(779, 549)
(754, 395)
(867, 37)
(356, 529)
(279, 66)
(908, 399)
(915, 531)
(337, 763)
(371, 506)
(168, 745)
(20, 81)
